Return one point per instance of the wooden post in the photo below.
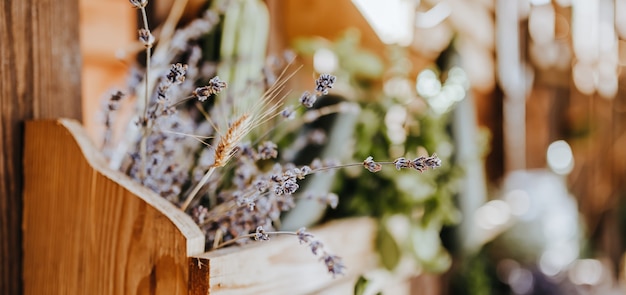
(39, 78)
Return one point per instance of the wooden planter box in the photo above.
(91, 230)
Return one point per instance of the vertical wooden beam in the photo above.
(39, 78)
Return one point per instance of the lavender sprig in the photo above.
(334, 264)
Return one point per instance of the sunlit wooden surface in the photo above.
(90, 229)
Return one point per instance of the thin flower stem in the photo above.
(345, 166)
(144, 136)
(196, 137)
(168, 28)
(274, 233)
(208, 118)
(186, 99)
(144, 16)
(197, 188)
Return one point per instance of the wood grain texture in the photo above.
(87, 227)
(282, 266)
(39, 78)
(90, 229)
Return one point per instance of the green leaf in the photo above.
(388, 248)
(361, 286)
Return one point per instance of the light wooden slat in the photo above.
(282, 266)
(90, 229)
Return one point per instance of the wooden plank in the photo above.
(87, 227)
(282, 266)
(39, 78)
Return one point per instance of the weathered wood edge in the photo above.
(189, 229)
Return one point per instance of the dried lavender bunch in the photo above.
(168, 51)
(258, 197)
(163, 165)
(250, 203)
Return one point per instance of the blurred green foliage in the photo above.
(424, 201)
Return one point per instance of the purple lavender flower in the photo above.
(402, 163)
(333, 264)
(307, 99)
(324, 82)
(316, 246)
(177, 72)
(146, 37)
(372, 166)
(432, 161)
(268, 150)
(261, 235)
(304, 236)
(214, 86)
(288, 113)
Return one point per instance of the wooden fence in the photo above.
(39, 78)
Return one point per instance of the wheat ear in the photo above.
(228, 142)
(224, 151)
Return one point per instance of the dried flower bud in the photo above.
(250, 205)
(422, 163)
(372, 166)
(117, 95)
(114, 100)
(333, 264)
(177, 72)
(245, 201)
(432, 161)
(146, 37)
(267, 150)
(246, 150)
(324, 82)
(303, 171)
(290, 186)
(316, 246)
(279, 190)
(199, 214)
(288, 113)
(402, 163)
(139, 3)
(260, 234)
(162, 93)
(307, 99)
(214, 86)
(304, 236)
(261, 185)
(418, 164)
(289, 174)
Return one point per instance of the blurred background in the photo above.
(526, 99)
